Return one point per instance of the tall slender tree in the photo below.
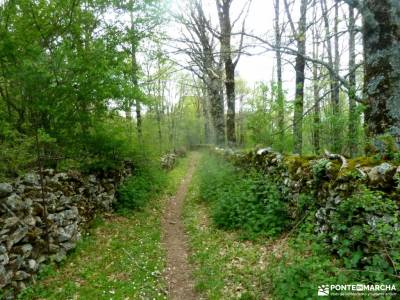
(223, 8)
(300, 37)
(280, 97)
(353, 118)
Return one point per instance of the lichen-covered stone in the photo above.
(5, 189)
(382, 175)
(31, 179)
(69, 201)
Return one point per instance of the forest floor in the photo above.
(178, 273)
(123, 256)
(168, 250)
(225, 266)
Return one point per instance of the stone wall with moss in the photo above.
(328, 180)
(42, 222)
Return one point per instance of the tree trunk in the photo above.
(316, 90)
(317, 112)
(333, 61)
(138, 120)
(381, 35)
(353, 118)
(223, 7)
(217, 110)
(206, 114)
(211, 68)
(280, 98)
(134, 74)
(336, 147)
(300, 78)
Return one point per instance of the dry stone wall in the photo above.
(328, 179)
(41, 223)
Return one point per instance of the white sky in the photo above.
(260, 21)
(258, 67)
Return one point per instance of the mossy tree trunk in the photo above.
(381, 36)
(353, 117)
(223, 7)
(280, 97)
(300, 78)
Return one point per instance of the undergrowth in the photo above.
(136, 190)
(121, 258)
(247, 202)
(361, 243)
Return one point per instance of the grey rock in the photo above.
(54, 184)
(20, 189)
(16, 262)
(72, 213)
(30, 221)
(21, 286)
(32, 265)
(64, 200)
(60, 256)
(31, 179)
(21, 275)
(10, 222)
(68, 246)
(66, 233)
(337, 200)
(17, 236)
(14, 202)
(92, 179)
(53, 248)
(5, 277)
(26, 250)
(26, 203)
(2, 249)
(49, 172)
(23, 250)
(56, 218)
(5, 189)
(264, 151)
(4, 259)
(60, 177)
(381, 174)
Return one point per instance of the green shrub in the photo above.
(136, 190)
(296, 270)
(365, 233)
(215, 176)
(248, 202)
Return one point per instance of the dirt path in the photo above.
(178, 274)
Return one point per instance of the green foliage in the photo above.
(262, 116)
(123, 257)
(16, 152)
(297, 271)
(108, 144)
(319, 168)
(248, 202)
(65, 71)
(365, 234)
(139, 188)
(385, 147)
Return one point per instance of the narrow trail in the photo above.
(178, 272)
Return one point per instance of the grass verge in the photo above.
(228, 267)
(122, 257)
(225, 267)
